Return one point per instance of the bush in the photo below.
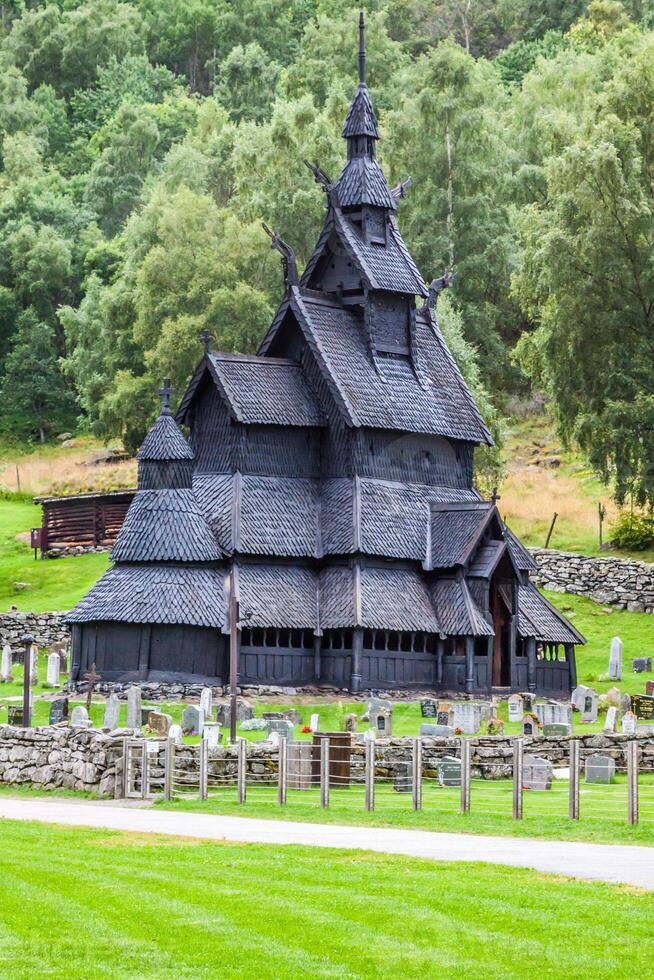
(633, 531)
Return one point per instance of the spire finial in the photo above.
(165, 392)
(362, 49)
(205, 337)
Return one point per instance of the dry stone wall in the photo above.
(47, 628)
(619, 582)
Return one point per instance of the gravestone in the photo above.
(589, 707)
(134, 707)
(350, 723)
(530, 725)
(611, 722)
(615, 659)
(58, 711)
(625, 703)
(54, 666)
(642, 706)
(449, 771)
(613, 696)
(516, 707)
(15, 713)
(554, 713)
(437, 731)
(382, 721)
(467, 717)
(175, 734)
(376, 704)
(300, 756)
(577, 697)
(294, 715)
(314, 722)
(445, 714)
(649, 687)
(212, 734)
(274, 738)
(642, 665)
(206, 701)
(223, 712)
(160, 722)
(428, 708)
(600, 769)
(192, 720)
(34, 664)
(272, 715)
(528, 700)
(5, 667)
(145, 714)
(80, 717)
(403, 777)
(629, 722)
(111, 712)
(283, 727)
(557, 728)
(369, 735)
(537, 773)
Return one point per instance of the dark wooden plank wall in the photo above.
(85, 521)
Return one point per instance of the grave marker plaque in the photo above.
(58, 711)
(428, 708)
(643, 706)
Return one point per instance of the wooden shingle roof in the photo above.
(361, 119)
(362, 181)
(457, 611)
(386, 267)
(165, 525)
(538, 618)
(164, 441)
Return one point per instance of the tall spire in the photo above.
(361, 121)
(362, 49)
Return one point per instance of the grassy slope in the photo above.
(125, 904)
(52, 585)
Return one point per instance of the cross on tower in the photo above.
(205, 337)
(165, 392)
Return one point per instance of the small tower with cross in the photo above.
(165, 393)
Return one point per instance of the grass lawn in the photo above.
(42, 585)
(105, 904)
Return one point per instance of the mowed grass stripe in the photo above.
(96, 903)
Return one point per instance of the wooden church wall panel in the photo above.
(389, 321)
(211, 433)
(335, 667)
(271, 450)
(404, 457)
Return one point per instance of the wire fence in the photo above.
(323, 776)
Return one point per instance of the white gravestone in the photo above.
(611, 723)
(134, 707)
(629, 722)
(554, 713)
(211, 734)
(34, 664)
(314, 724)
(369, 735)
(206, 701)
(5, 669)
(54, 666)
(80, 717)
(467, 717)
(589, 706)
(516, 707)
(175, 734)
(577, 698)
(615, 659)
(111, 712)
(600, 769)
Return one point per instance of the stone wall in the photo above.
(619, 582)
(61, 757)
(47, 628)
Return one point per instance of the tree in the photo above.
(245, 82)
(587, 282)
(34, 397)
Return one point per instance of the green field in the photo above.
(104, 904)
(39, 586)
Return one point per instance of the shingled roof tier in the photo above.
(362, 182)
(457, 611)
(165, 525)
(155, 594)
(285, 596)
(456, 530)
(164, 442)
(361, 119)
(538, 618)
(375, 598)
(388, 267)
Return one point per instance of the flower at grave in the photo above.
(458, 731)
(306, 729)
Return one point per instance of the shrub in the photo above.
(633, 531)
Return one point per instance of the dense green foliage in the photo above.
(142, 144)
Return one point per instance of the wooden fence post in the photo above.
(465, 775)
(204, 769)
(324, 773)
(241, 767)
(369, 749)
(282, 770)
(416, 775)
(573, 805)
(169, 769)
(518, 751)
(632, 782)
(145, 771)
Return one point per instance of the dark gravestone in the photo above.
(642, 706)
(15, 713)
(428, 708)
(557, 728)
(449, 771)
(649, 688)
(145, 713)
(58, 711)
(642, 665)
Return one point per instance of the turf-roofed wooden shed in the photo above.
(330, 478)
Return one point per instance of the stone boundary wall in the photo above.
(46, 627)
(86, 760)
(621, 582)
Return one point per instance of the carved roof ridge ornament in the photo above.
(436, 287)
(320, 177)
(289, 264)
(398, 193)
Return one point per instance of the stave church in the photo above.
(326, 483)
